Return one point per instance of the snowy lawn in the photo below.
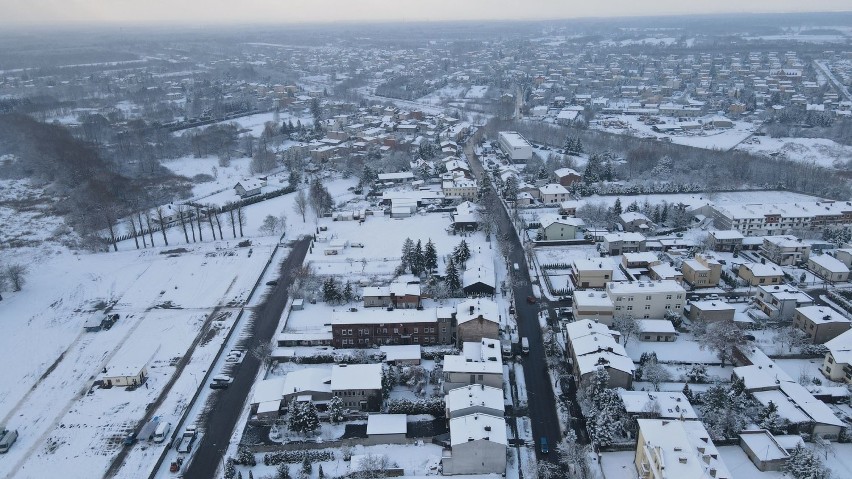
(618, 465)
(684, 350)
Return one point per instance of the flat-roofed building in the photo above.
(828, 268)
(591, 273)
(593, 305)
(674, 449)
(757, 274)
(820, 323)
(646, 299)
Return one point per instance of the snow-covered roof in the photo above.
(665, 271)
(475, 395)
(307, 379)
(402, 175)
(479, 273)
(599, 264)
(482, 357)
(726, 234)
(641, 257)
(474, 427)
(841, 348)
(684, 447)
(712, 305)
(474, 308)
(670, 405)
(762, 270)
(250, 184)
(381, 315)
(267, 390)
(553, 189)
(785, 293)
(590, 362)
(386, 424)
(631, 216)
(346, 377)
(762, 442)
(566, 172)
(589, 299)
(655, 326)
(402, 352)
(822, 314)
(628, 237)
(556, 219)
(829, 263)
(633, 287)
(130, 360)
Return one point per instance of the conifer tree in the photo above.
(452, 278)
(430, 256)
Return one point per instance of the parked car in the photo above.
(531, 299)
(221, 382)
(272, 283)
(543, 446)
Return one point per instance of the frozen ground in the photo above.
(25, 215)
(716, 139)
(820, 151)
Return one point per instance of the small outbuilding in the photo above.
(386, 428)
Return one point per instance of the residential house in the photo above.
(665, 271)
(643, 260)
(473, 399)
(359, 386)
(633, 221)
(711, 311)
(478, 445)
(779, 303)
(367, 327)
(806, 414)
(675, 449)
(478, 278)
(591, 273)
(646, 299)
(729, 241)
(657, 330)
(657, 405)
(593, 305)
(591, 345)
(757, 274)
(399, 294)
(844, 255)
(837, 365)
(559, 228)
(129, 366)
(828, 268)
(615, 244)
(779, 218)
(820, 323)
(702, 272)
(465, 217)
(248, 187)
(460, 188)
(553, 193)
(476, 319)
(785, 250)
(568, 176)
(569, 208)
(479, 363)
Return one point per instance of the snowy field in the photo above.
(476, 91)
(441, 96)
(255, 124)
(819, 151)
(163, 302)
(716, 139)
(25, 215)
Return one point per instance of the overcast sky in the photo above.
(29, 12)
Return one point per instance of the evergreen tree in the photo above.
(805, 464)
(330, 293)
(664, 215)
(295, 422)
(461, 253)
(569, 144)
(307, 467)
(578, 145)
(283, 471)
(633, 207)
(593, 170)
(335, 410)
(688, 394)
(452, 277)
(239, 475)
(320, 474)
(606, 174)
(769, 419)
(510, 191)
(311, 417)
(347, 292)
(430, 256)
(616, 208)
(230, 470)
(251, 476)
(407, 249)
(417, 259)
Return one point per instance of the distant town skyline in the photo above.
(201, 12)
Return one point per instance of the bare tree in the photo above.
(270, 225)
(108, 216)
(181, 212)
(722, 337)
(16, 274)
(198, 219)
(241, 218)
(217, 216)
(628, 326)
(162, 222)
(133, 232)
(149, 223)
(232, 221)
(141, 229)
(209, 211)
(301, 205)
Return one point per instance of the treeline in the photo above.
(91, 193)
(644, 160)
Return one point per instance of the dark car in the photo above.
(542, 445)
(531, 299)
(129, 440)
(272, 283)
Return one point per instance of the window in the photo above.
(647, 338)
(630, 298)
(618, 308)
(647, 298)
(828, 369)
(350, 332)
(679, 296)
(416, 330)
(647, 307)
(677, 306)
(395, 330)
(668, 296)
(668, 306)
(443, 330)
(630, 308)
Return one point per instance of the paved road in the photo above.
(540, 400)
(228, 403)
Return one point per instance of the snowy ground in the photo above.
(820, 151)
(163, 301)
(255, 124)
(25, 216)
(715, 139)
(684, 350)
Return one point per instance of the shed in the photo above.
(408, 354)
(764, 451)
(386, 428)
